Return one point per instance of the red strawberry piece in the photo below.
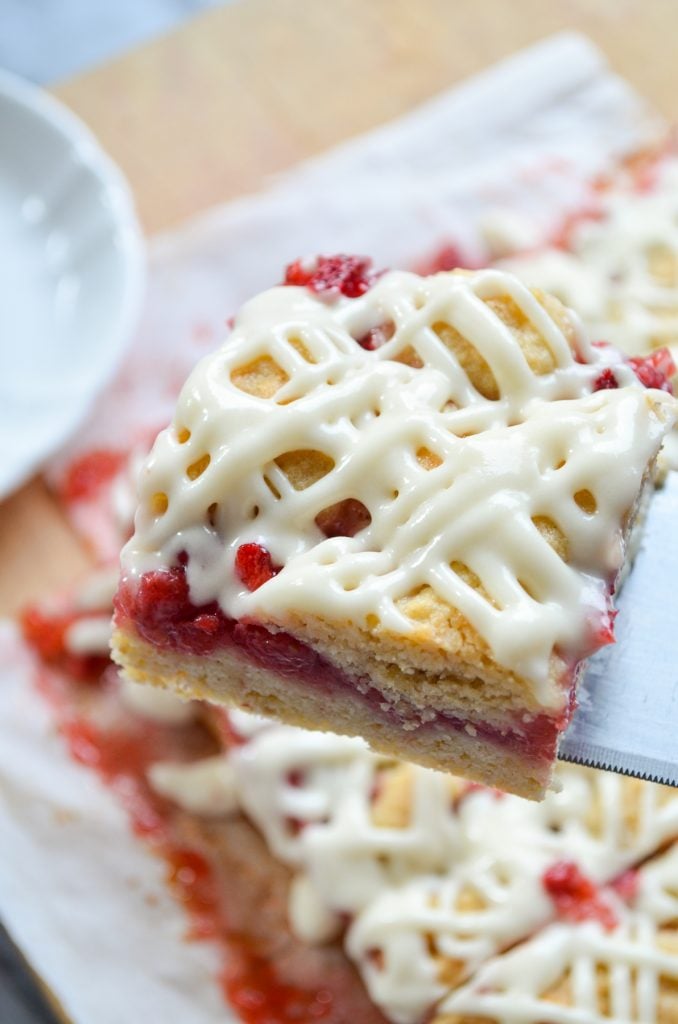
(477, 787)
(46, 632)
(163, 613)
(605, 380)
(295, 778)
(377, 336)
(90, 473)
(375, 957)
(344, 519)
(351, 276)
(654, 370)
(163, 596)
(627, 884)
(254, 565)
(576, 897)
(603, 633)
(299, 272)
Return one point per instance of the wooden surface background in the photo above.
(208, 112)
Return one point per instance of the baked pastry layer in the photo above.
(510, 754)
(407, 499)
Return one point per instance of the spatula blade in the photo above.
(627, 720)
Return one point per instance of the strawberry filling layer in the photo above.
(161, 611)
(653, 371)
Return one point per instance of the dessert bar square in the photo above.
(397, 507)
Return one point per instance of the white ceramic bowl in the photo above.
(71, 275)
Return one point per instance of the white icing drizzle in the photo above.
(267, 770)
(456, 883)
(370, 414)
(205, 787)
(97, 590)
(310, 918)
(594, 807)
(514, 988)
(89, 635)
(156, 704)
(124, 493)
(312, 797)
(419, 925)
(621, 270)
(247, 725)
(507, 231)
(658, 894)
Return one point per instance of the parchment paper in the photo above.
(84, 899)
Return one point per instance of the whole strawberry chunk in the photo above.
(254, 565)
(377, 336)
(341, 274)
(605, 380)
(299, 273)
(344, 519)
(654, 370)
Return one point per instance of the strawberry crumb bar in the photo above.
(621, 967)
(397, 507)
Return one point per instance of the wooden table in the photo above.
(208, 112)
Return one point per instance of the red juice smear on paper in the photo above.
(260, 985)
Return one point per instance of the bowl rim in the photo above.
(126, 233)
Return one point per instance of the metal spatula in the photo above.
(627, 720)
